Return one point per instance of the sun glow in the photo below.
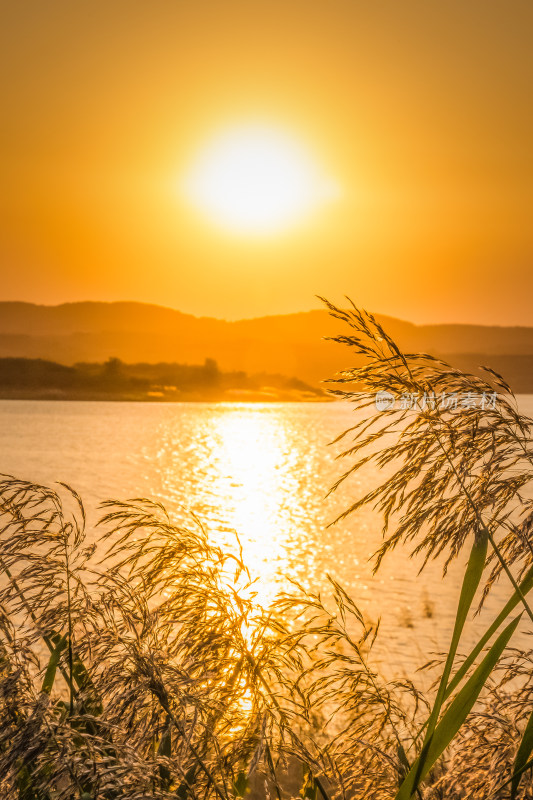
(255, 179)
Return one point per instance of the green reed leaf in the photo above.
(240, 787)
(525, 587)
(53, 663)
(165, 749)
(309, 788)
(522, 756)
(404, 763)
(456, 714)
(187, 783)
(471, 580)
(496, 792)
(92, 703)
(24, 784)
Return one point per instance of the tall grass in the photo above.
(153, 672)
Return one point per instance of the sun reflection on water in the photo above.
(253, 470)
(251, 452)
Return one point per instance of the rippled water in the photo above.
(260, 470)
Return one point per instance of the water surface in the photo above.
(262, 470)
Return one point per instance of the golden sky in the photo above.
(419, 110)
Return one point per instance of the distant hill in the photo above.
(291, 344)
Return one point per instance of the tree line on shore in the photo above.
(35, 377)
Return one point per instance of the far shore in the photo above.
(231, 396)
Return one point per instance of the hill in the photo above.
(291, 344)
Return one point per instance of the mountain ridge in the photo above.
(291, 344)
(139, 305)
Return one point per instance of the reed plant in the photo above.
(460, 459)
(147, 669)
(155, 676)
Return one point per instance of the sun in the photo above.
(256, 180)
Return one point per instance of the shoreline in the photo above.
(252, 397)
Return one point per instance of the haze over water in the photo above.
(261, 470)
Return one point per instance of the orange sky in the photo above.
(420, 109)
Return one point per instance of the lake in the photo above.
(262, 470)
